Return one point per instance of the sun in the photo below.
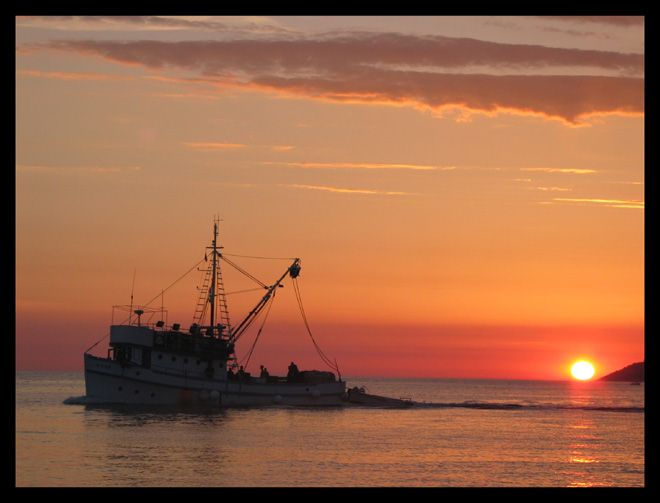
(582, 370)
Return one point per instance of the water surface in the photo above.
(459, 433)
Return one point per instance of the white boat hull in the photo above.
(108, 381)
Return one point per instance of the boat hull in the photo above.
(109, 381)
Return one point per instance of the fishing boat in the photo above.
(151, 362)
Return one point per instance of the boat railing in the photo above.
(141, 316)
(156, 319)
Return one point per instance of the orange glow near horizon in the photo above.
(467, 199)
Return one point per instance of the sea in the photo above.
(457, 433)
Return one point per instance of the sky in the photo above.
(466, 194)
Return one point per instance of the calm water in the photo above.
(460, 433)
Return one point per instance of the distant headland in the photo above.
(632, 373)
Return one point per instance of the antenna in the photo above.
(132, 290)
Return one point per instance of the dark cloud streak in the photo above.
(402, 69)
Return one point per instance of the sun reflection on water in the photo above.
(583, 443)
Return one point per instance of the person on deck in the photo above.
(292, 376)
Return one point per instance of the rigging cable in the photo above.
(242, 271)
(183, 276)
(327, 360)
(247, 357)
(261, 258)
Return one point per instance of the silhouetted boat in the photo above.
(151, 363)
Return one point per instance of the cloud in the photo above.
(339, 165)
(427, 72)
(615, 203)
(72, 76)
(608, 20)
(562, 170)
(350, 191)
(423, 167)
(211, 146)
(65, 170)
(251, 24)
(554, 189)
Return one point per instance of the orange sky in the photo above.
(466, 194)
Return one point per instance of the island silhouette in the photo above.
(632, 373)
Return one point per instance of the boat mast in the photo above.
(211, 313)
(212, 291)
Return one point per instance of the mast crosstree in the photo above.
(212, 298)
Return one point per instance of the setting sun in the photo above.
(582, 370)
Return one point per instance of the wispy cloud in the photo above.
(249, 24)
(423, 167)
(427, 72)
(212, 146)
(361, 165)
(73, 75)
(349, 191)
(76, 169)
(553, 189)
(562, 170)
(617, 203)
(608, 20)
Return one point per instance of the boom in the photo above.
(293, 270)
